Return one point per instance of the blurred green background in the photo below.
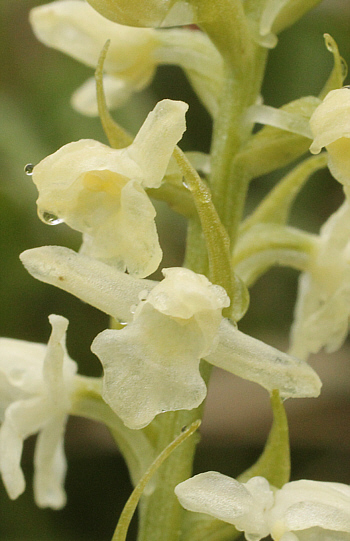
(35, 120)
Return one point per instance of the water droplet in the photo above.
(184, 182)
(133, 308)
(50, 219)
(28, 169)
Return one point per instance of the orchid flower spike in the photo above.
(152, 364)
(100, 191)
(36, 384)
(330, 125)
(322, 309)
(153, 13)
(300, 511)
(74, 28)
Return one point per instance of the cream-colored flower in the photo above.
(152, 13)
(73, 27)
(152, 365)
(36, 384)
(330, 125)
(153, 362)
(100, 191)
(300, 511)
(323, 305)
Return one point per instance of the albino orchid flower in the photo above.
(36, 384)
(300, 511)
(323, 305)
(152, 13)
(74, 28)
(100, 191)
(153, 363)
(330, 126)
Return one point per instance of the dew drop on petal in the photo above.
(28, 169)
(50, 219)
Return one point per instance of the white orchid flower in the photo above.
(330, 125)
(322, 310)
(100, 191)
(300, 511)
(74, 28)
(36, 384)
(152, 364)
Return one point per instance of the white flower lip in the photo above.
(100, 191)
(36, 381)
(152, 365)
(258, 510)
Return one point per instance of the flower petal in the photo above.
(22, 418)
(155, 142)
(242, 504)
(92, 281)
(74, 28)
(50, 464)
(256, 361)
(152, 365)
(117, 92)
(303, 504)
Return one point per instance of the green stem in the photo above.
(228, 182)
